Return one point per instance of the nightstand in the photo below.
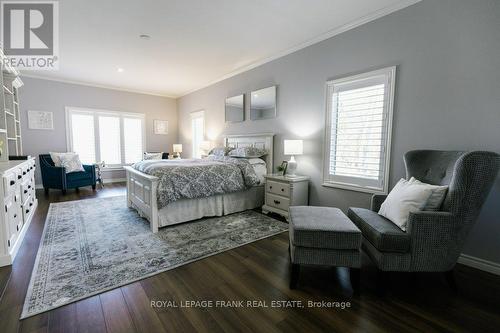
(283, 192)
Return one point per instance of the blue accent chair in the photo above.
(57, 178)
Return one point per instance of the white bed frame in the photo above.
(142, 188)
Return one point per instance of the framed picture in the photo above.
(40, 120)
(161, 127)
(282, 168)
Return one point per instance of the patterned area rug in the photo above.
(90, 246)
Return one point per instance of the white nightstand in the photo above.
(283, 192)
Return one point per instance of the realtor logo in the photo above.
(30, 34)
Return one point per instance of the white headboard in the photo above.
(259, 140)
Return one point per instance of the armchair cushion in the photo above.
(78, 176)
(379, 231)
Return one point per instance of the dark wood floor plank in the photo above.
(63, 319)
(257, 271)
(89, 316)
(115, 310)
(139, 305)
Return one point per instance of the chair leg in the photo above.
(64, 192)
(355, 276)
(46, 189)
(450, 279)
(93, 187)
(77, 189)
(294, 276)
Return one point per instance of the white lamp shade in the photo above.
(293, 147)
(177, 148)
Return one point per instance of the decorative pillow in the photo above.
(247, 152)
(153, 156)
(255, 161)
(405, 198)
(438, 194)
(56, 157)
(71, 163)
(220, 151)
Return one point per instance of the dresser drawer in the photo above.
(277, 201)
(26, 189)
(9, 181)
(278, 188)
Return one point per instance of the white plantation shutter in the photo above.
(109, 139)
(116, 138)
(359, 111)
(132, 134)
(82, 136)
(197, 132)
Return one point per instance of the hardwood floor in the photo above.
(257, 272)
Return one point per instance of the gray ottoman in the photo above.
(323, 236)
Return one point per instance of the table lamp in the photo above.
(177, 150)
(292, 147)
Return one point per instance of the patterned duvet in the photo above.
(197, 178)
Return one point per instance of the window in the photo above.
(113, 137)
(198, 132)
(358, 131)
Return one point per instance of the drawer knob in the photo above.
(271, 187)
(24, 172)
(17, 227)
(15, 215)
(29, 186)
(27, 211)
(19, 176)
(31, 204)
(12, 182)
(282, 190)
(277, 202)
(25, 191)
(5, 208)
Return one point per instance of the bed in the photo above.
(142, 191)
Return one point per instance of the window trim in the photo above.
(96, 112)
(329, 86)
(196, 115)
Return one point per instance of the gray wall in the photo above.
(447, 95)
(45, 95)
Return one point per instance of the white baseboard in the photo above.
(114, 180)
(484, 265)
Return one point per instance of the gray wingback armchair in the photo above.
(434, 239)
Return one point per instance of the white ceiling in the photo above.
(193, 42)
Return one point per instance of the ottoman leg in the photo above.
(294, 276)
(355, 275)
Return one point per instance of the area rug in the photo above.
(90, 246)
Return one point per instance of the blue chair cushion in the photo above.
(379, 231)
(78, 176)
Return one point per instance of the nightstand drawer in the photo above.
(277, 201)
(278, 188)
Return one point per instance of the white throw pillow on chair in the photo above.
(438, 194)
(71, 163)
(405, 198)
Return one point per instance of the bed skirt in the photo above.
(223, 204)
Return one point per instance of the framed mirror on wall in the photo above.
(235, 108)
(263, 103)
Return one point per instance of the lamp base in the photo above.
(291, 167)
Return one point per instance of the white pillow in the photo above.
(254, 161)
(153, 156)
(71, 163)
(405, 197)
(56, 157)
(438, 194)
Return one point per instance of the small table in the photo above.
(323, 236)
(98, 172)
(283, 192)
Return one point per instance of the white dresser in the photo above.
(17, 193)
(283, 192)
